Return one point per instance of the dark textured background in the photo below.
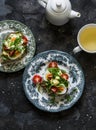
(16, 112)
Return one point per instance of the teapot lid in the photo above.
(58, 5)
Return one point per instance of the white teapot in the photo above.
(58, 12)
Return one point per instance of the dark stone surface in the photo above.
(16, 112)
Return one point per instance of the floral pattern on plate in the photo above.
(38, 66)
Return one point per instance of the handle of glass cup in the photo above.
(77, 49)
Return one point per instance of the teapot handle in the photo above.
(43, 2)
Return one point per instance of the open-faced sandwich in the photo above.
(55, 81)
(14, 47)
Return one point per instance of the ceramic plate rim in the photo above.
(64, 108)
(2, 21)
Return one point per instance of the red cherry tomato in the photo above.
(5, 48)
(54, 89)
(25, 40)
(11, 53)
(37, 79)
(53, 65)
(65, 76)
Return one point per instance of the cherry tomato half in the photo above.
(54, 89)
(53, 65)
(37, 79)
(25, 40)
(5, 48)
(65, 76)
(11, 53)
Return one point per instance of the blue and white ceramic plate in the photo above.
(9, 26)
(38, 66)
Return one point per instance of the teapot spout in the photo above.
(74, 14)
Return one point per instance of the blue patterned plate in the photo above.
(9, 26)
(38, 66)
